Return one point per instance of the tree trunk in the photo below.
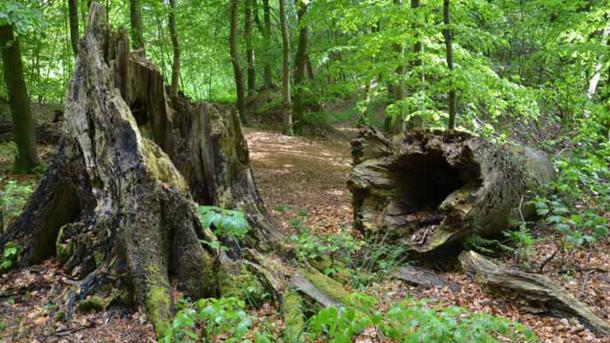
(267, 73)
(288, 126)
(73, 10)
(117, 205)
(537, 289)
(176, 46)
(429, 188)
(137, 32)
(249, 47)
(19, 102)
(594, 81)
(300, 68)
(447, 33)
(239, 76)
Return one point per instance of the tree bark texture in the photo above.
(301, 68)
(117, 205)
(237, 71)
(249, 46)
(173, 32)
(267, 71)
(137, 31)
(448, 34)
(537, 289)
(428, 188)
(19, 101)
(286, 95)
(73, 16)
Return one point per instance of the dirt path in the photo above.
(297, 173)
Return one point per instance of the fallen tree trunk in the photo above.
(118, 203)
(48, 133)
(429, 188)
(535, 288)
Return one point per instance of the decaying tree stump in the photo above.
(538, 289)
(118, 203)
(428, 188)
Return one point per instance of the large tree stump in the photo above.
(537, 289)
(117, 203)
(428, 188)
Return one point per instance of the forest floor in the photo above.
(305, 177)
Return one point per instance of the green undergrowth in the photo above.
(209, 320)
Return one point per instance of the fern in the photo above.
(484, 245)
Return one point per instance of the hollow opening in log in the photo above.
(425, 180)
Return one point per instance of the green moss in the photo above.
(158, 308)
(159, 165)
(325, 284)
(292, 308)
(242, 285)
(60, 315)
(91, 304)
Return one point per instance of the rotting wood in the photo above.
(537, 289)
(429, 188)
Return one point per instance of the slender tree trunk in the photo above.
(239, 76)
(137, 33)
(288, 129)
(395, 124)
(267, 73)
(310, 71)
(249, 47)
(418, 49)
(73, 9)
(447, 32)
(176, 45)
(300, 67)
(594, 82)
(19, 102)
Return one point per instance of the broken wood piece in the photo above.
(423, 277)
(538, 289)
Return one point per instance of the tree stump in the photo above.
(117, 205)
(428, 188)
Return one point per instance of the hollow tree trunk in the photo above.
(19, 102)
(117, 205)
(428, 188)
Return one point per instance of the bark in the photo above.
(594, 82)
(535, 288)
(418, 49)
(429, 188)
(288, 126)
(137, 32)
(173, 32)
(19, 101)
(73, 16)
(423, 277)
(117, 205)
(267, 73)
(237, 72)
(300, 68)
(448, 34)
(249, 47)
(394, 124)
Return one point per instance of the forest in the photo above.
(305, 171)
